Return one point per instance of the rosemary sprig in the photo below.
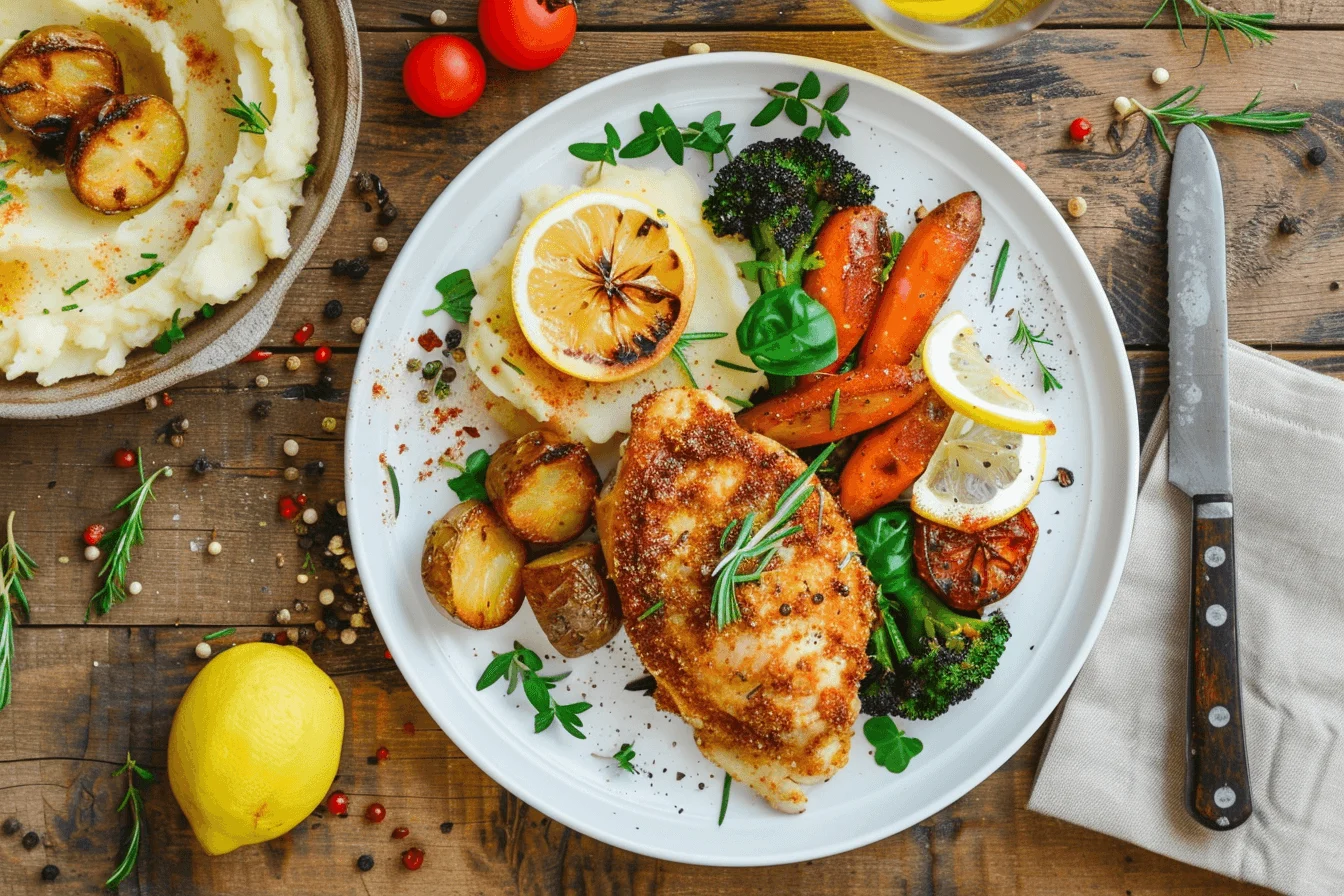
(679, 351)
(653, 608)
(760, 546)
(137, 804)
(16, 567)
(723, 800)
(1179, 109)
(117, 543)
(251, 120)
(1027, 339)
(523, 666)
(795, 99)
(1249, 25)
(999, 265)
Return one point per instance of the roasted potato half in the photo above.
(543, 486)
(51, 76)
(573, 599)
(472, 567)
(125, 153)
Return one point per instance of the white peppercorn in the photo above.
(92, 553)
(1077, 206)
(203, 650)
(326, 597)
(357, 325)
(214, 548)
(379, 245)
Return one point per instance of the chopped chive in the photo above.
(723, 803)
(150, 255)
(71, 289)
(147, 272)
(740, 402)
(309, 170)
(222, 633)
(650, 611)
(731, 366)
(835, 408)
(229, 207)
(700, 337)
(396, 490)
(513, 365)
(70, 307)
(998, 272)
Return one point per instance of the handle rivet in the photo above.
(1219, 716)
(1224, 797)
(1222, 821)
(1215, 615)
(1215, 557)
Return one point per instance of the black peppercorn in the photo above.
(11, 826)
(371, 760)
(1334, 285)
(50, 872)
(315, 467)
(785, 609)
(1316, 155)
(817, 598)
(305, 543)
(333, 309)
(354, 268)
(31, 839)
(332, 620)
(364, 862)
(388, 213)
(262, 409)
(1288, 225)
(201, 465)
(364, 182)
(268, 637)
(451, 340)
(449, 374)
(325, 380)
(446, 827)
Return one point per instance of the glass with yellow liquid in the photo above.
(954, 26)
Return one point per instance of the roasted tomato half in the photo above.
(971, 570)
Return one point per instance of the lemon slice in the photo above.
(603, 285)
(979, 476)
(964, 378)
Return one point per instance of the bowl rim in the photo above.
(250, 329)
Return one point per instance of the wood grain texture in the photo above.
(1023, 96)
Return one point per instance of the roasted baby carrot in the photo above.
(833, 407)
(848, 284)
(929, 263)
(891, 458)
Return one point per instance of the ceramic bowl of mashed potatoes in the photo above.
(105, 297)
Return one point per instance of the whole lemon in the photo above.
(254, 746)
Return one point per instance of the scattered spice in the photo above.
(409, 727)
(11, 826)
(50, 872)
(287, 508)
(375, 813)
(400, 833)
(151, 402)
(292, 362)
(291, 448)
(1160, 76)
(921, 213)
(354, 268)
(383, 754)
(1289, 225)
(1080, 129)
(214, 549)
(364, 862)
(257, 354)
(262, 381)
(303, 334)
(94, 533)
(203, 650)
(30, 840)
(379, 245)
(262, 409)
(358, 325)
(92, 553)
(1077, 206)
(413, 858)
(323, 354)
(333, 309)
(451, 340)
(438, 17)
(1064, 477)
(698, 48)
(429, 340)
(368, 183)
(1316, 155)
(338, 803)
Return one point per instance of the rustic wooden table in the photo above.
(87, 693)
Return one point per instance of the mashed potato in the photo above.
(596, 412)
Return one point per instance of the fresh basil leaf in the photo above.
(796, 111)
(787, 332)
(837, 99)
(892, 748)
(470, 483)
(456, 290)
(886, 541)
(642, 145)
(769, 113)
(810, 89)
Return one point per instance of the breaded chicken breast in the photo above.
(773, 697)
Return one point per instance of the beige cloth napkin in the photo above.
(1114, 761)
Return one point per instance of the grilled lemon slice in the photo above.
(603, 285)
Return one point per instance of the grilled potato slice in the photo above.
(51, 76)
(573, 599)
(472, 567)
(125, 153)
(543, 486)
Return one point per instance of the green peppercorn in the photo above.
(431, 369)
(413, 364)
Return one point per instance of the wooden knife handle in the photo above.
(1217, 782)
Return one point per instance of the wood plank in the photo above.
(1022, 96)
(714, 15)
(85, 696)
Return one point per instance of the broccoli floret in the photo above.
(777, 194)
(926, 656)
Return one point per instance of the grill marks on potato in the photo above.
(51, 76)
(125, 153)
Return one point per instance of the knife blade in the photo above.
(1217, 780)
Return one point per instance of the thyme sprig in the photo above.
(1180, 109)
(760, 546)
(523, 666)
(1249, 25)
(624, 757)
(16, 567)
(251, 120)
(710, 135)
(1027, 339)
(795, 99)
(137, 804)
(116, 544)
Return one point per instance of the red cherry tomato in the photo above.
(443, 75)
(526, 34)
(1079, 129)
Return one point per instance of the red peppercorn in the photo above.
(303, 334)
(301, 499)
(401, 833)
(258, 354)
(288, 509)
(409, 728)
(338, 803)
(413, 858)
(322, 355)
(282, 638)
(387, 654)
(167, 400)
(124, 458)
(1079, 129)
(382, 754)
(94, 533)
(375, 813)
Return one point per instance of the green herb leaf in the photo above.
(812, 132)
(641, 146)
(222, 633)
(892, 748)
(164, 342)
(144, 274)
(769, 113)
(836, 101)
(625, 758)
(1180, 109)
(471, 483)
(742, 368)
(795, 101)
(251, 120)
(1027, 339)
(396, 490)
(810, 89)
(70, 290)
(889, 261)
(650, 611)
(835, 408)
(70, 307)
(207, 311)
(309, 170)
(456, 290)
(117, 543)
(999, 265)
(137, 804)
(795, 110)
(787, 332)
(523, 665)
(723, 800)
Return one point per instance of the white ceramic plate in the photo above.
(916, 152)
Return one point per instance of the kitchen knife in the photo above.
(1217, 783)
